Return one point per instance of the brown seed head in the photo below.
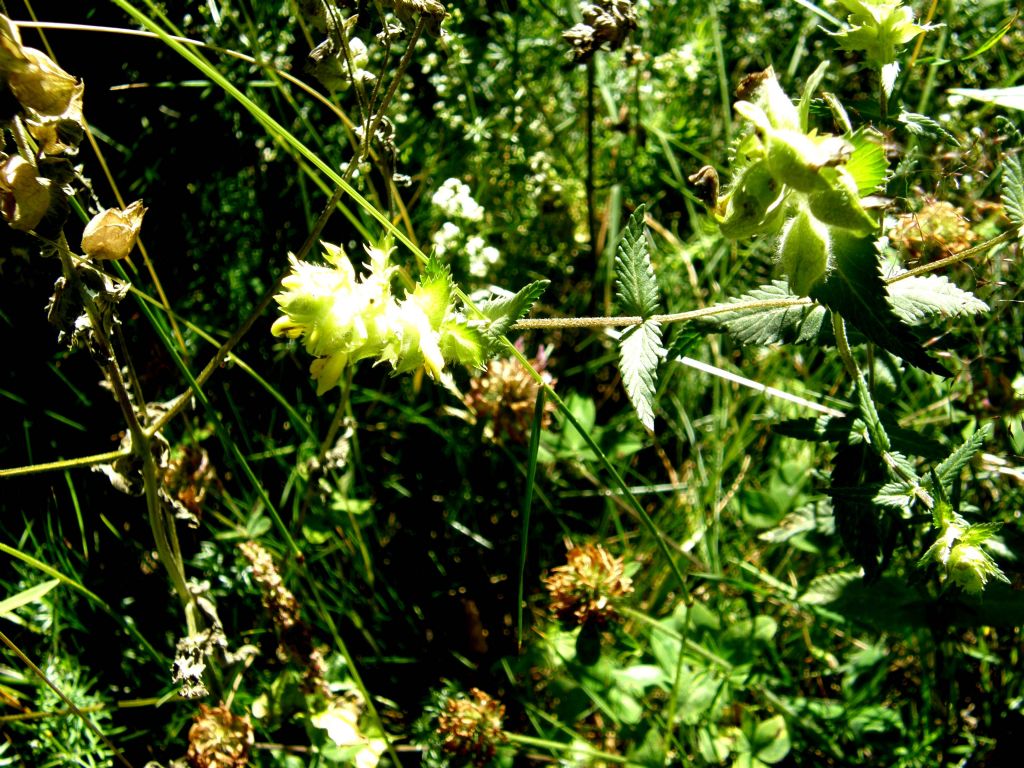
(471, 727)
(219, 739)
(585, 588)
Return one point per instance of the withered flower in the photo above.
(934, 232)
(470, 727)
(504, 396)
(607, 22)
(112, 233)
(24, 194)
(277, 598)
(219, 739)
(583, 590)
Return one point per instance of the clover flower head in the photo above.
(584, 590)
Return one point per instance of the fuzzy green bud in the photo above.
(796, 159)
(839, 204)
(971, 567)
(804, 250)
(753, 207)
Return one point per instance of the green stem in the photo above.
(169, 555)
(83, 461)
(678, 317)
(957, 257)
(617, 480)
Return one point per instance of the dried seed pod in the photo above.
(24, 195)
(40, 85)
(112, 233)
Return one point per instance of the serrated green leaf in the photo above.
(888, 603)
(867, 164)
(748, 321)
(685, 340)
(922, 125)
(504, 311)
(462, 342)
(896, 495)
(640, 351)
(635, 284)
(854, 288)
(947, 471)
(919, 298)
(1013, 193)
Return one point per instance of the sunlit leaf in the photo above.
(640, 351)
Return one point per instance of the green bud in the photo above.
(796, 159)
(839, 205)
(804, 252)
(754, 206)
(971, 567)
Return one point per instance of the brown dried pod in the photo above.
(24, 194)
(60, 135)
(40, 85)
(112, 233)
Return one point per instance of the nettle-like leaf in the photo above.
(635, 283)
(922, 125)
(748, 321)
(922, 297)
(855, 289)
(502, 312)
(948, 470)
(640, 348)
(1013, 193)
(640, 351)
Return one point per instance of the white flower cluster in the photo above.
(455, 202)
(454, 199)
(481, 256)
(447, 238)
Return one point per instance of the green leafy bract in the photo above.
(504, 311)
(855, 290)
(867, 164)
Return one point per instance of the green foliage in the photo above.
(812, 557)
(855, 290)
(502, 312)
(1013, 193)
(635, 284)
